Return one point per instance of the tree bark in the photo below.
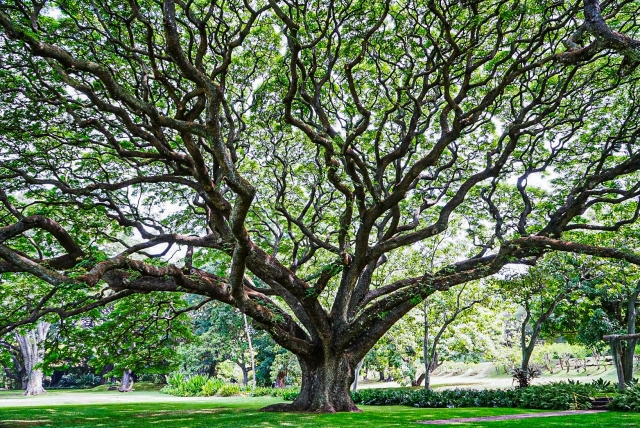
(629, 350)
(253, 361)
(355, 380)
(616, 351)
(245, 375)
(418, 381)
(32, 352)
(126, 384)
(325, 386)
(425, 349)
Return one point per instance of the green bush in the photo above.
(211, 387)
(604, 386)
(555, 396)
(288, 394)
(193, 386)
(436, 399)
(262, 391)
(175, 379)
(71, 381)
(229, 389)
(183, 386)
(627, 400)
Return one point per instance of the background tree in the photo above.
(440, 311)
(139, 334)
(27, 352)
(224, 338)
(538, 292)
(307, 144)
(607, 304)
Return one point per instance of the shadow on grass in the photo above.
(244, 412)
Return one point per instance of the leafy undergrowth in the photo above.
(553, 396)
(182, 385)
(244, 412)
(627, 400)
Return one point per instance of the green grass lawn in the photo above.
(244, 412)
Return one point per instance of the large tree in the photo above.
(306, 144)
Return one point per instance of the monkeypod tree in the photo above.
(306, 144)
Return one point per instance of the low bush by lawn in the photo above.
(553, 396)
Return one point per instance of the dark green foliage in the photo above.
(604, 386)
(71, 381)
(557, 396)
(628, 400)
(553, 396)
(438, 399)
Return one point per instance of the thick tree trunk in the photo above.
(616, 351)
(325, 387)
(32, 352)
(34, 383)
(627, 359)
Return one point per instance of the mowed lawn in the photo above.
(245, 412)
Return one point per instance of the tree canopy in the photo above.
(275, 155)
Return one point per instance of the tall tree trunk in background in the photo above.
(245, 376)
(32, 351)
(355, 380)
(425, 349)
(628, 350)
(126, 384)
(253, 361)
(527, 348)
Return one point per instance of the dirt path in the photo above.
(509, 417)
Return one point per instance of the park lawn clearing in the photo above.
(245, 412)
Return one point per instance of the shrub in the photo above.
(288, 394)
(183, 386)
(175, 379)
(193, 386)
(211, 387)
(262, 391)
(604, 386)
(229, 389)
(72, 381)
(627, 400)
(556, 396)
